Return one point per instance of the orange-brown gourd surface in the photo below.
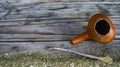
(100, 28)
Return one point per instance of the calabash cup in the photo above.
(100, 28)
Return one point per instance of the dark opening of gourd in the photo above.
(102, 27)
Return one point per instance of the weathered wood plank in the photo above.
(45, 30)
(83, 19)
(34, 37)
(88, 47)
(38, 29)
(45, 1)
(59, 9)
(37, 38)
(18, 30)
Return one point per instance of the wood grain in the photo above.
(88, 47)
(46, 1)
(59, 9)
(29, 27)
(64, 29)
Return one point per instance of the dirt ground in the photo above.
(54, 59)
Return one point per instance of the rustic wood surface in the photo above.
(33, 26)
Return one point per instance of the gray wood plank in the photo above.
(58, 9)
(89, 47)
(53, 30)
(45, 1)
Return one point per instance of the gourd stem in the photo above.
(82, 37)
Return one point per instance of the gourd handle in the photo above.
(82, 37)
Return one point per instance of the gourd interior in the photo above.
(102, 27)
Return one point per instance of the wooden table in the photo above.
(28, 26)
